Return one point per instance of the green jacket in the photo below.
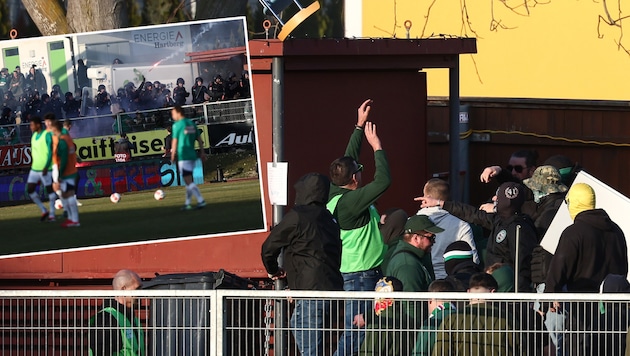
(390, 333)
(405, 263)
(477, 330)
(427, 335)
(356, 215)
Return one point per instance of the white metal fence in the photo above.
(249, 322)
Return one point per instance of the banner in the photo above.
(231, 135)
(15, 156)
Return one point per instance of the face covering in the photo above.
(538, 195)
(580, 197)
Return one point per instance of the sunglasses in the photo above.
(429, 236)
(518, 169)
(359, 168)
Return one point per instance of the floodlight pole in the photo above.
(277, 99)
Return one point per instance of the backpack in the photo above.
(541, 260)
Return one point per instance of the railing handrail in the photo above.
(273, 294)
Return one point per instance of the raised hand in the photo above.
(372, 137)
(363, 112)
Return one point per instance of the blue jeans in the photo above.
(352, 337)
(307, 326)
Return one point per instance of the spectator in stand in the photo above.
(610, 327)
(568, 170)
(82, 77)
(102, 101)
(454, 228)
(392, 225)
(10, 102)
(590, 249)
(5, 80)
(438, 311)
(71, 107)
(117, 61)
(520, 166)
(36, 80)
(199, 91)
(17, 84)
(7, 116)
(115, 329)
(33, 107)
(232, 87)
(504, 224)
(549, 192)
(123, 148)
(352, 206)
(217, 89)
(179, 93)
(310, 238)
(478, 329)
(244, 89)
(168, 142)
(460, 265)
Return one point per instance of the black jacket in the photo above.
(502, 242)
(587, 252)
(310, 238)
(105, 337)
(546, 211)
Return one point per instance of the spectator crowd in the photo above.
(334, 239)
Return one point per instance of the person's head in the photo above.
(439, 286)
(18, 69)
(436, 188)
(199, 81)
(126, 280)
(392, 224)
(117, 61)
(420, 232)
(346, 172)
(80, 62)
(169, 128)
(45, 98)
(69, 96)
(177, 113)
(312, 188)
(49, 119)
(522, 164)
(218, 79)
(101, 88)
(180, 82)
(545, 180)
(504, 275)
(455, 254)
(567, 169)
(36, 124)
(55, 127)
(581, 197)
(482, 283)
(16, 74)
(67, 124)
(32, 69)
(509, 199)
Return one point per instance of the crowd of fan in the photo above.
(23, 94)
(334, 239)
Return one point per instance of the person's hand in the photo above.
(487, 207)
(278, 275)
(56, 186)
(359, 321)
(428, 202)
(488, 173)
(45, 171)
(372, 137)
(363, 113)
(202, 154)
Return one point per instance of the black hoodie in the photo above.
(310, 238)
(587, 252)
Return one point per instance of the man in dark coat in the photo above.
(312, 258)
(504, 224)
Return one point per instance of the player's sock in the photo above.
(66, 206)
(195, 190)
(51, 202)
(35, 198)
(73, 213)
(188, 194)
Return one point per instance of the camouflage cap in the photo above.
(546, 179)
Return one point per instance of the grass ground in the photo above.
(232, 206)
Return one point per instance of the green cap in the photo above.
(546, 179)
(419, 223)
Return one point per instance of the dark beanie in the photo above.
(510, 199)
(455, 254)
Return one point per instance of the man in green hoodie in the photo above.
(352, 206)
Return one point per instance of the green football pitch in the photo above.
(232, 206)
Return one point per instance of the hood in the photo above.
(597, 218)
(510, 199)
(394, 225)
(312, 188)
(436, 214)
(581, 197)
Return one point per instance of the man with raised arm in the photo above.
(351, 204)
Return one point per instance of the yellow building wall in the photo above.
(547, 49)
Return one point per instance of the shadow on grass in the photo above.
(149, 223)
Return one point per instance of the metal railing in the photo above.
(241, 322)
